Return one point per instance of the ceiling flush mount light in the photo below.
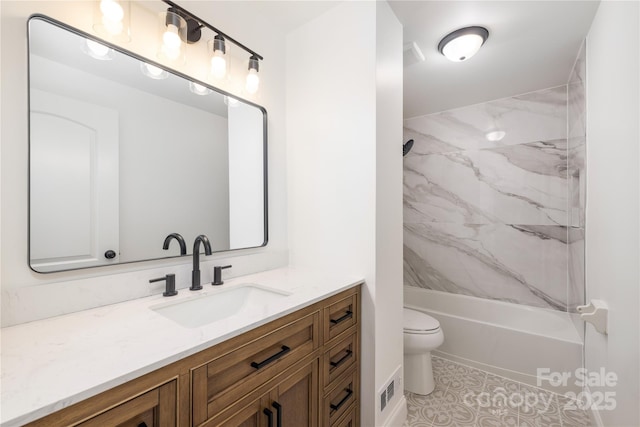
(111, 19)
(462, 44)
(153, 72)
(253, 80)
(218, 49)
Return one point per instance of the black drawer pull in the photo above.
(142, 424)
(269, 414)
(343, 401)
(348, 315)
(273, 358)
(278, 413)
(342, 359)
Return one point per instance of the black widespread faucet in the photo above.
(195, 274)
(179, 238)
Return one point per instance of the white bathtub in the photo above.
(507, 339)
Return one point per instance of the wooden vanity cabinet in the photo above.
(301, 370)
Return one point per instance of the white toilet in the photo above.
(422, 334)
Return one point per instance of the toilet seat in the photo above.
(419, 323)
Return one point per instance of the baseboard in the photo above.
(398, 415)
(512, 375)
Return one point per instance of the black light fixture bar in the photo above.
(212, 28)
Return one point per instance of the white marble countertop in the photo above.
(50, 364)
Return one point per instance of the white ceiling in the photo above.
(532, 45)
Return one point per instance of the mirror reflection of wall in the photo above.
(120, 160)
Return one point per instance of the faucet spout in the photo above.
(195, 274)
(179, 238)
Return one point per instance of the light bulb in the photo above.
(153, 72)
(218, 65)
(97, 50)
(171, 42)
(198, 89)
(112, 15)
(111, 10)
(253, 81)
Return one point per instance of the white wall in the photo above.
(344, 130)
(27, 295)
(612, 215)
(246, 169)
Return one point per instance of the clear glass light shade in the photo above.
(463, 47)
(172, 33)
(153, 72)
(230, 101)
(111, 19)
(218, 59)
(253, 81)
(97, 50)
(198, 89)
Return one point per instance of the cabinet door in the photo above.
(295, 399)
(252, 415)
(155, 408)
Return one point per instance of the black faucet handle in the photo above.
(170, 289)
(217, 274)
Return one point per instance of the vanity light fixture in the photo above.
(253, 80)
(97, 50)
(462, 44)
(173, 31)
(153, 72)
(111, 19)
(180, 25)
(198, 89)
(218, 49)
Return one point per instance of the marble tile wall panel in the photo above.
(519, 184)
(489, 219)
(577, 145)
(516, 263)
(535, 116)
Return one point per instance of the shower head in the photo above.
(406, 147)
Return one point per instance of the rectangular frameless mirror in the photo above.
(123, 153)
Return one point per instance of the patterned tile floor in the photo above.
(468, 397)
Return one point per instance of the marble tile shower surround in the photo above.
(489, 218)
(576, 202)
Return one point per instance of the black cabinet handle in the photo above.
(273, 358)
(348, 315)
(269, 415)
(342, 359)
(110, 255)
(142, 424)
(278, 413)
(343, 401)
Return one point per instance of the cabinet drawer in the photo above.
(339, 358)
(340, 316)
(351, 418)
(339, 400)
(155, 408)
(225, 379)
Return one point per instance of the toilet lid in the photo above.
(416, 321)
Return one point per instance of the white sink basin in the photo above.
(239, 300)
